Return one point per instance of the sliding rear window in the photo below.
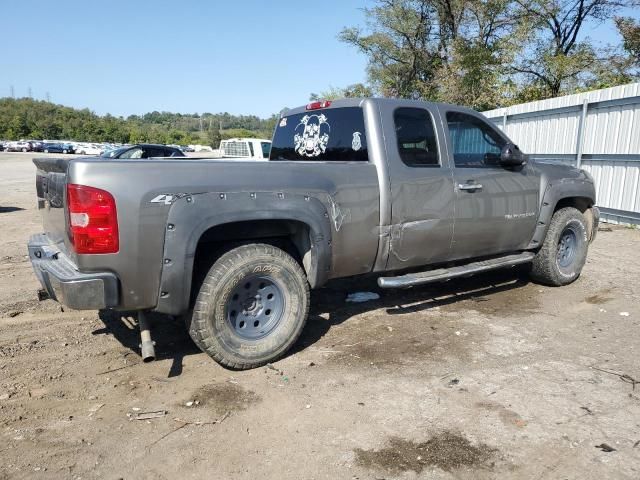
(328, 135)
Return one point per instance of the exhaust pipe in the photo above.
(147, 346)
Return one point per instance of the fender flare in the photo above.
(553, 194)
(192, 215)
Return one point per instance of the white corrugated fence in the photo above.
(598, 131)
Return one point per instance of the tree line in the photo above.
(26, 118)
(491, 53)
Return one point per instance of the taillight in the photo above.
(319, 105)
(93, 220)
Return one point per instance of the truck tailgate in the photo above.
(51, 181)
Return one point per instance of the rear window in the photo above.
(235, 149)
(332, 135)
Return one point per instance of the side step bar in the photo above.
(440, 274)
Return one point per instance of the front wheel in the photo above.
(251, 308)
(564, 251)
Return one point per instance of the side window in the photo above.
(475, 144)
(416, 136)
(250, 143)
(266, 149)
(133, 153)
(325, 135)
(154, 152)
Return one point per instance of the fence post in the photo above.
(581, 129)
(504, 122)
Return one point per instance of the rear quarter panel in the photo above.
(348, 192)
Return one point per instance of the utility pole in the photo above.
(29, 93)
(47, 96)
(13, 91)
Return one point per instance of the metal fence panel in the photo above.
(598, 131)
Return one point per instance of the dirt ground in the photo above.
(489, 377)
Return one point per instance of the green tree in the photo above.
(214, 135)
(356, 90)
(489, 53)
(629, 29)
(448, 50)
(557, 61)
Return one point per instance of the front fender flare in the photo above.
(553, 194)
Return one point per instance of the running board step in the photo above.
(440, 274)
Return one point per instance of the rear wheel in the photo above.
(251, 308)
(564, 251)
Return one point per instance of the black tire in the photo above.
(230, 297)
(564, 251)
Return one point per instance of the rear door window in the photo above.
(416, 137)
(330, 135)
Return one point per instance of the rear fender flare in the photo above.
(190, 216)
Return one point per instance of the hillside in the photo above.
(38, 119)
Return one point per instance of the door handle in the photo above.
(470, 186)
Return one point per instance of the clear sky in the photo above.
(136, 56)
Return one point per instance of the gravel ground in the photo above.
(489, 377)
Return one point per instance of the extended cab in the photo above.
(353, 186)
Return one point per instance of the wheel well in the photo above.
(292, 236)
(580, 203)
(583, 204)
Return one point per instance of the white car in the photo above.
(249, 148)
(88, 149)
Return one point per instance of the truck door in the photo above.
(422, 193)
(496, 206)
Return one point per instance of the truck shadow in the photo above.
(170, 335)
(10, 209)
(328, 309)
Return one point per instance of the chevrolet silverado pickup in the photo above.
(411, 191)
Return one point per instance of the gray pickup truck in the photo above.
(415, 192)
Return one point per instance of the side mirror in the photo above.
(511, 156)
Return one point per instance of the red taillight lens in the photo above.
(319, 105)
(93, 220)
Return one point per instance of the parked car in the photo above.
(352, 187)
(21, 146)
(36, 146)
(55, 147)
(143, 150)
(246, 148)
(88, 149)
(187, 148)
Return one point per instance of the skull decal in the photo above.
(312, 135)
(356, 143)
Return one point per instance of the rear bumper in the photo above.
(63, 282)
